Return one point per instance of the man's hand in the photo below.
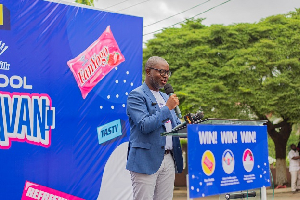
(172, 102)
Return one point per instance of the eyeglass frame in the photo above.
(162, 72)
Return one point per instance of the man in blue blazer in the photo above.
(153, 159)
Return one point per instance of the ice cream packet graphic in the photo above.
(93, 64)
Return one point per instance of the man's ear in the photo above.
(147, 71)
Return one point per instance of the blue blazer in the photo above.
(147, 121)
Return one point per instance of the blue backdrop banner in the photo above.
(65, 73)
(226, 158)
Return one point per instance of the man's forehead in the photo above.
(162, 64)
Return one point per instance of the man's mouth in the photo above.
(164, 81)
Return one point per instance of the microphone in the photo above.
(169, 91)
(194, 120)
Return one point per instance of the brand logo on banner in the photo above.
(109, 131)
(26, 117)
(208, 163)
(228, 161)
(4, 18)
(35, 191)
(92, 65)
(52, 58)
(3, 48)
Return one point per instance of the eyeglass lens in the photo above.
(163, 72)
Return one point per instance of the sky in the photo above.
(224, 12)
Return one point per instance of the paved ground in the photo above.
(180, 193)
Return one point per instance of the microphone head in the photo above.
(168, 89)
(198, 115)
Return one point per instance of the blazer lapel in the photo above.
(163, 96)
(149, 94)
(153, 100)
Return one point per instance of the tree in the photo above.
(246, 71)
(86, 2)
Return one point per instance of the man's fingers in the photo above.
(172, 102)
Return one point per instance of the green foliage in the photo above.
(237, 71)
(244, 71)
(86, 2)
(271, 147)
(183, 141)
(294, 138)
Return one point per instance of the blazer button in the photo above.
(162, 147)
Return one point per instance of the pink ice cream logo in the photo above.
(248, 160)
(93, 64)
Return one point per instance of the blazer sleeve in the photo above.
(177, 120)
(138, 112)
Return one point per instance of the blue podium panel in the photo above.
(65, 73)
(226, 158)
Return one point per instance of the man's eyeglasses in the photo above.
(162, 72)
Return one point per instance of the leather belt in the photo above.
(167, 151)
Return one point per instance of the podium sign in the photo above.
(226, 158)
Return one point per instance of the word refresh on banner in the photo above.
(227, 137)
(41, 195)
(34, 191)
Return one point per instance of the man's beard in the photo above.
(155, 84)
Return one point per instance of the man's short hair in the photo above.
(154, 60)
(293, 145)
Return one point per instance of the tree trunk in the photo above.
(280, 134)
(281, 178)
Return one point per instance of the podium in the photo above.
(182, 132)
(227, 158)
